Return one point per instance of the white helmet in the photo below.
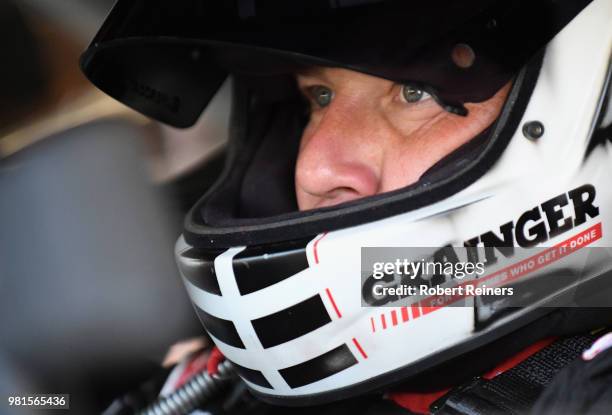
(280, 291)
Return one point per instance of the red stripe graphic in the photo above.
(365, 356)
(383, 321)
(394, 317)
(373, 326)
(427, 309)
(415, 311)
(316, 253)
(333, 302)
(405, 314)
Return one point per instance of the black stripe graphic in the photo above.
(200, 272)
(292, 322)
(319, 368)
(252, 375)
(223, 330)
(256, 268)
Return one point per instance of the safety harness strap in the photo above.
(515, 390)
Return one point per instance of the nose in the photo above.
(339, 158)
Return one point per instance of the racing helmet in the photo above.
(280, 291)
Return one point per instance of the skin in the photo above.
(369, 139)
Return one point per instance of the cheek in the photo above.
(447, 134)
(428, 143)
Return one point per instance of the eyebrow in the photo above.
(312, 72)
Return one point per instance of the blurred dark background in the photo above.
(92, 197)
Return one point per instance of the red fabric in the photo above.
(420, 402)
(197, 364)
(215, 358)
(416, 402)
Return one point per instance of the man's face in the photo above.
(368, 135)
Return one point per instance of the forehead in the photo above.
(335, 76)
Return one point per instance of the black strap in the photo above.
(515, 390)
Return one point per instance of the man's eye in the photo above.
(321, 95)
(412, 95)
